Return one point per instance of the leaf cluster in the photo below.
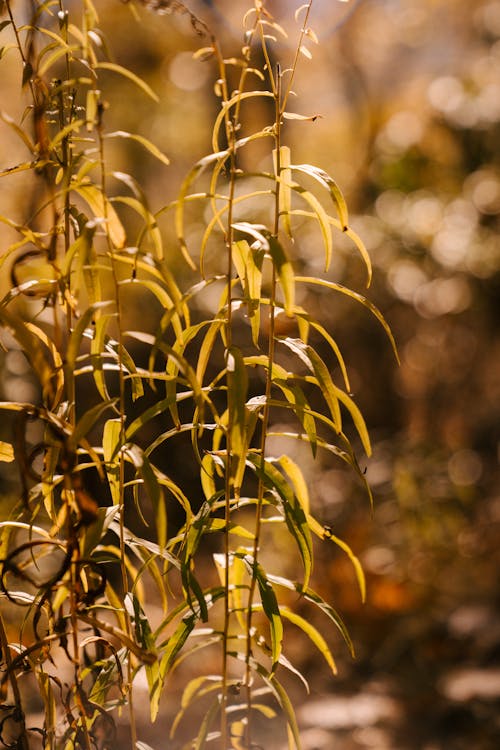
(91, 545)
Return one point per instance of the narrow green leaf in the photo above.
(76, 336)
(224, 111)
(101, 208)
(207, 476)
(315, 364)
(329, 183)
(296, 398)
(285, 273)
(237, 388)
(174, 645)
(359, 298)
(157, 499)
(151, 226)
(295, 517)
(285, 193)
(34, 349)
(126, 73)
(287, 706)
(195, 689)
(313, 634)
(299, 483)
(111, 445)
(145, 142)
(96, 353)
(89, 419)
(23, 135)
(271, 610)
(205, 725)
(357, 418)
(18, 168)
(319, 602)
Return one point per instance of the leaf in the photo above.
(88, 420)
(175, 643)
(319, 602)
(224, 112)
(149, 219)
(359, 298)
(75, 339)
(71, 127)
(329, 183)
(288, 710)
(23, 135)
(296, 116)
(18, 168)
(322, 375)
(285, 193)
(237, 388)
(319, 213)
(195, 689)
(156, 497)
(271, 610)
(111, 444)
(360, 576)
(357, 418)
(295, 396)
(6, 452)
(96, 353)
(313, 634)
(58, 374)
(34, 349)
(126, 73)
(145, 142)
(205, 724)
(101, 207)
(248, 262)
(295, 517)
(285, 274)
(299, 483)
(303, 316)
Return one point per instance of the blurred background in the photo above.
(409, 97)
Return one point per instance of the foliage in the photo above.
(105, 527)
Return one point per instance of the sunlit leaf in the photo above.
(145, 142)
(102, 209)
(126, 73)
(35, 350)
(226, 107)
(6, 452)
(285, 273)
(271, 610)
(356, 296)
(111, 444)
(313, 634)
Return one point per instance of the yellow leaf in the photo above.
(6, 452)
(102, 209)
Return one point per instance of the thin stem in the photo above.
(296, 58)
(122, 417)
(265, 416)
(230, 136)
(231, 124)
